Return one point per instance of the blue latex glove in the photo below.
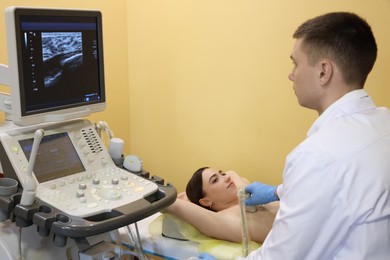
(260, 194)
(205, 256)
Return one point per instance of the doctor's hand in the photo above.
(205, 256)
(260, 194)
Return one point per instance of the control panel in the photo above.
(85, 194)
(73, 169)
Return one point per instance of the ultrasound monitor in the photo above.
(55, 64)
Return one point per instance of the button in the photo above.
(139, 189)
(130, 184)
(80, 194)
(96, 197)
(92, 205)
(90, 158)
(110, 194)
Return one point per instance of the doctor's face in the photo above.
(219, 188)
(303, 76)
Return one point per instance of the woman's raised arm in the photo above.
(221, 225)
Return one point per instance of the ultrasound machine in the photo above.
(63, 193)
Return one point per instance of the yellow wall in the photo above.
(194, 82)
(115, 57)
(208, 82)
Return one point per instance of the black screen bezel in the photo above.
(20, 13)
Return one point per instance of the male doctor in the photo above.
(335, 196)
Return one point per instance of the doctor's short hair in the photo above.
(343, 37)
(194, 188)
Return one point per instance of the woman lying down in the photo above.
(211, 205)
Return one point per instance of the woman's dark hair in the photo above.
(194, 189)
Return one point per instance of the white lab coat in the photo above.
(335, 196)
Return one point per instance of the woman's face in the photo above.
(220, 190)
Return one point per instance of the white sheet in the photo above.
(159, 245)
(154, 243)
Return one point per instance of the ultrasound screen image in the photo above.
(62, 54)
(61, 63)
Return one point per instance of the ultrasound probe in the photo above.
(29, 183)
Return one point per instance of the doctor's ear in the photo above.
(325, 71)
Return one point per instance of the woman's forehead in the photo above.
(209, 172)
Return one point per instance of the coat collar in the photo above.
(352, 102)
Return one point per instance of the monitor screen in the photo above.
(58, 71)
(56, 157)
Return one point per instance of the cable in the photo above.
(145, 256)
(103, 126)
(137, 244)
(20, 256)
(241, 194)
